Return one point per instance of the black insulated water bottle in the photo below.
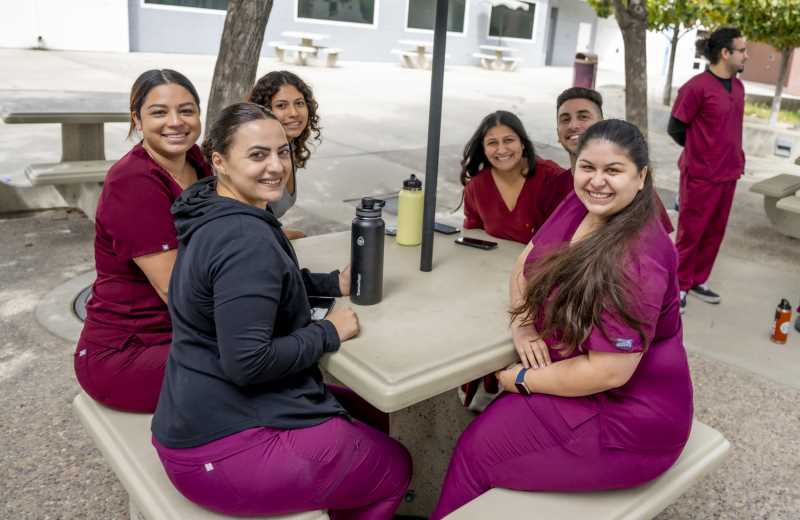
(366, 253)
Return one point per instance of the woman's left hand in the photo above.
(344, 281)
(508, 378)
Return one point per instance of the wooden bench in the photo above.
(781, 202)
(704, 452)
(124, 441)
(79, 182)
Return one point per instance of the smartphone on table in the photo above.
(476, 242)
(320, 306)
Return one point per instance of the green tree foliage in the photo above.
(774, 22)
(678, 17)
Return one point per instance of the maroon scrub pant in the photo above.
(348, 468)
(703, 217)
(127, 379)
(523, 443)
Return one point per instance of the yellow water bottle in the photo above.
(409, 213)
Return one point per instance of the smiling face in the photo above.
(503, 148)
(289, 106)
(257, 163)
(169, 120)
(575, 116)
(606, 179)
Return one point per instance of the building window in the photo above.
(512, 23)
(218, 5)
(421, 15)
(348, 11)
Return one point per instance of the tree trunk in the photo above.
(239, 49)
(632, 20)
(786, 55)
(672, 48)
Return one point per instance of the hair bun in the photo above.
(208, 149)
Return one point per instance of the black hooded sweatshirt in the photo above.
(244, 350)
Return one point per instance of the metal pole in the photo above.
(434, 131)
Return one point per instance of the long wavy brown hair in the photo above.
(569, 289)
(267, 86)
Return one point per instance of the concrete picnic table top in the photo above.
(433, 331)
(416, 43)
(305, 35)
(497, 48)
(15, 117)
(81, 115)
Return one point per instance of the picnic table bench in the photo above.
(79, 176)
(781, 202)
(124, 440)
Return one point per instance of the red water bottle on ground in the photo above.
(783, 318)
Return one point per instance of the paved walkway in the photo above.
(374, 119)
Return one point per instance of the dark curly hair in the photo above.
(267, 86)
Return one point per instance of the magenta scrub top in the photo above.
(653, 411)
(133, 219)
(713, 116)
(484, 207)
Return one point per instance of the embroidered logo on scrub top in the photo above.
(165, 247)
(624, 344)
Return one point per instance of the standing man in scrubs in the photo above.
(707, 121)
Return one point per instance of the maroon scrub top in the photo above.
(653, 411)
(713, 116)
(542, 192)
(133, 219)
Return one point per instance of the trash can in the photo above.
(584, 70)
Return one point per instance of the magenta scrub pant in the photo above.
(514, 447)
(703, 217)
(348, 468)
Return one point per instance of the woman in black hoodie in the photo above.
(244, 424)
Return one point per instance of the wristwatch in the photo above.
(522, 388)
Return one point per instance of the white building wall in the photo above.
(89, 25)
(611, 54)
(571, 14)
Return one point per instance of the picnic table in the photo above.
(307, 48)
(418, 56)
(497, 57)
(79, 174)
(306, 38)
(431, 333)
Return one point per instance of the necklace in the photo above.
(175, 177)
